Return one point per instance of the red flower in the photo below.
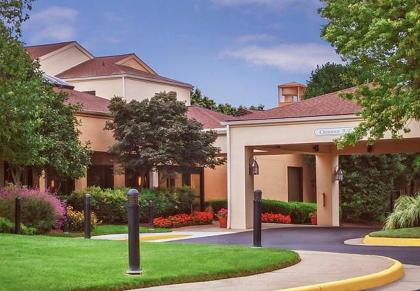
(179, 220)
(269, 217)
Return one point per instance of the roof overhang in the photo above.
(127, 76)
(289, 120)
(72, 44)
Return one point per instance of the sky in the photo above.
(235, 51)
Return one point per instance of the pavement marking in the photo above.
(392, 274)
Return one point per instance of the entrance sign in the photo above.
(333, 131)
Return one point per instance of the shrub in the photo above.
(110, 204)
(217, 204)
(298, 211)
(275, 218)
(40, 210)
(27, 230)
(6, 226)
(75, 219)
(406, 213)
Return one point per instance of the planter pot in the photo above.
(314, 220)
(223, 222)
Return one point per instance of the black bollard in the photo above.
(87, 215)
(257, 218)
(133, 233)
(17, 214)
(151, 214)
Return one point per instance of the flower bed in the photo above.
(178, 220)
(40, 210)
(268, 217)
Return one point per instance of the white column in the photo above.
(154, 179)
(241, 188)
(327, 188)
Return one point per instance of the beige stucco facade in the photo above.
(273, 176)
(63, 59)
(128, 86)
(312, 135)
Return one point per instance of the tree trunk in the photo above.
(16, 172)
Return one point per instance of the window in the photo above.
(295, 99)
(101, 176)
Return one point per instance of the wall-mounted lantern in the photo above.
(339, 175)
(139, 181)
(254, 169)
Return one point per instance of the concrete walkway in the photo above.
(411, 280)
(315, 267)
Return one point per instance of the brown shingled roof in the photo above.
(208, 118)
(90, 103)
(37, 51)
(107, 65)
(94, 104)
(323, 105)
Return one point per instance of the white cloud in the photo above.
(296, 57)
(247, 38)
(55, 23)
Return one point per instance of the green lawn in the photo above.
(412, 232)
(102, 229)
(59, 263)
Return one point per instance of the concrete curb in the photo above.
(391, 241)
(393, 273)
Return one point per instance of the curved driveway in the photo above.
(315, 239)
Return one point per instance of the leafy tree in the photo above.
(332, 77)
(382, 38)
(37, 128)
(13, 13)
(367, 186)
(197, 98)
(66, 156)
(156, 134)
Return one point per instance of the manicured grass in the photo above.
(412, 232)
(59, 263)
(116, 228)
(111, 229)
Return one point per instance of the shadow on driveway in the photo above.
(325, 239)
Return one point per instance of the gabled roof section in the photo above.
(43, 50)
(37, 51)
(112, 65)
(208, 118)
(133, 61)
(324, 105)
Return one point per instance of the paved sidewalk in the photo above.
(411, 280)
(315, 267)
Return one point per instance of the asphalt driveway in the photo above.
(315, 239)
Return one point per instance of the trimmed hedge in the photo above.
(109, 205)
(298, 211)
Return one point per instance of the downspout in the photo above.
(229, 222)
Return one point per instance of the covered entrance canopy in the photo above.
(307, 127)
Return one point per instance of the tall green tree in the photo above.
(332, 77)
(197, 98)
(37, 128)
(155, 133)
(382, 38)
